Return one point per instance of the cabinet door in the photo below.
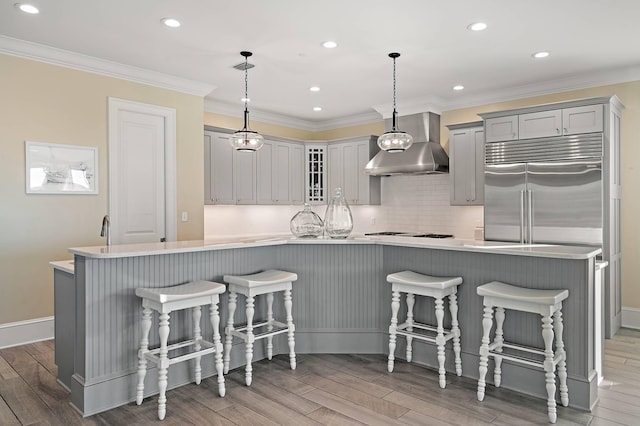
(501, 129)
(244, 174)
(296, 166)
(467, 166)
(281, 172)
(222, 170)
(540, 124)
(585, 119)
(315, 164)
(264, 173)
(208, 193)
(350, 173)
(364, 188)
(335, 167)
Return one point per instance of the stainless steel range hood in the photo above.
(426, 155)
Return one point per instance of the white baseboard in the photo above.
(631, 317)
(23, 332)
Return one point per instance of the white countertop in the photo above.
(148, 249)
(63, 265)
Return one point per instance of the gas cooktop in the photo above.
(408, 234)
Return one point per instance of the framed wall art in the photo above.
(61, 169)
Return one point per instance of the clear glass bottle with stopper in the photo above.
(338, 221)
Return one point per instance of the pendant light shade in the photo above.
(246, 139)
(395, 140)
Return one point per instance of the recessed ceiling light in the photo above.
(317, 108)
(458, 87)
(27, 8)
(539, 55)
(329, 44)
(171, 22)
(477, 26)
(314, 89)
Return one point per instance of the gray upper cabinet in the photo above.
(264, 173)
(346, 162)
(280, 172)
(540, 124)
(218, 169)
(296, 174)
(244, 177)
(546, 123)
(501, 129)
(466, 161)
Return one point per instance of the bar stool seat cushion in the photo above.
(510, 292)
(268, 277)
(181, 292)
(426, 281)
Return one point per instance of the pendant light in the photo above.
(395, 140)
(246, 139)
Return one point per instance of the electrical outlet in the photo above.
(185, 216)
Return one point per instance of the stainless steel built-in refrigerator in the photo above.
(545, 190)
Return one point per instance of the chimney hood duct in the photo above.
(426, 155)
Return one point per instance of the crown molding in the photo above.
(235, 110)
(68, 59)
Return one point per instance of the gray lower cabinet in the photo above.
(346, 162)
(466, 164)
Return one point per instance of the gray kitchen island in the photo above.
(341, 304)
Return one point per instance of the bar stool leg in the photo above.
(410, 302)
(440, 341)
(269, 325)
(549, 367)
(214, 317)
(562, 365)
(498, 340)
(455, 329)
(487, 323)
(163, 367)
(144, 348)
(288, 304)
(228, 341)
(395, 305)
(249, 341)
(197, 336)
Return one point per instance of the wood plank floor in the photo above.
(324, 389)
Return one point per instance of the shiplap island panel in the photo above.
(341, 303)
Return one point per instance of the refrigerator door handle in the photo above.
(530, 214)
(522, 216)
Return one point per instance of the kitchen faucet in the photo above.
(106, 229)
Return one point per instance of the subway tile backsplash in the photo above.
(413, 203)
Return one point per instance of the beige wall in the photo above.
(47, 103)
(629, 94)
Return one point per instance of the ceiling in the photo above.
(591, 42)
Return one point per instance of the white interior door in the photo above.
(142, 202)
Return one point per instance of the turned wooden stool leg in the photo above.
(549, 367)
(269, 325)
(440, 341)
(455, 329)
(395, 306)
(228, 341)
(411, 299)
(249, 341)
(288, 305)
(214, 317)
(562, 364)
(197, 336)
(499, 340)
(163, 367)
(487, 323)
(144, 348)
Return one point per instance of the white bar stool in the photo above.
(548, 304)
(438, 288)
(266, 282)
(164, 301)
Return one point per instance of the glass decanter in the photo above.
(306, 223)
(338, 221)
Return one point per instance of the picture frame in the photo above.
(60, 169)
